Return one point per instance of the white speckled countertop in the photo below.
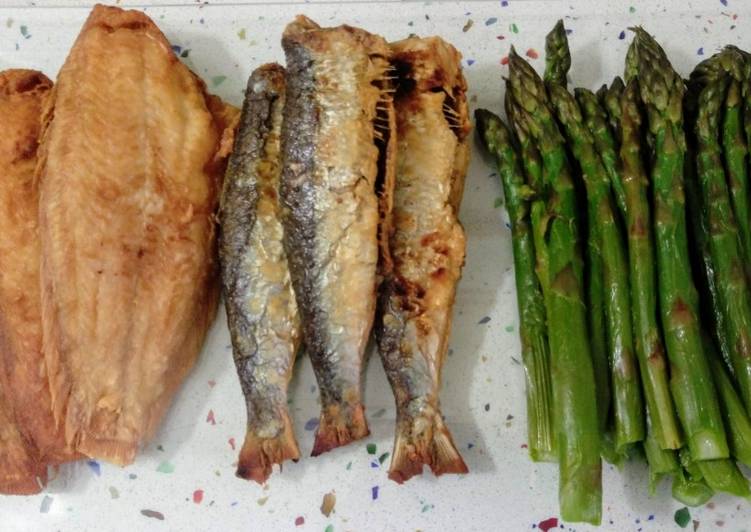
(184, 479)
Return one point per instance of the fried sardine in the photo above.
(337, 109)
(261, 307)
(28, 438)
(131, 161)
(427, 249)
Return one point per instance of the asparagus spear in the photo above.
(731, 61)
(724, 475)
(532, 329)
(648, 340)
(610, 98)
(662, 462)
(746, 96)
(627, 400)
(557, 65)
(662, 90)
(701, 256)
(730, 280)
(557, 55)
(575, 412)
(737, 422)
(690, 491)
(596, 120)
(736, 158)
(689, 485)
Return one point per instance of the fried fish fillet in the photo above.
(427, 249)
(131, 161)
(333, 145)
(261, 307)
(28, 437)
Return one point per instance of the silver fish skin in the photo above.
(427, 249)
(261, 308)
(335, 88)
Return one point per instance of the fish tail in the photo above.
(258, 454)
(424, 441)
(339, 426)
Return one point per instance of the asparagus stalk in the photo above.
(662, 462)
(532, 328)
(702, 259)
(720, 475)
(734, 414)
(689, 491)
(732, 61)
(533, 173)
(648, 340)
(596, 120)
(724, 475)
(736, 158)
(610, 98)
(575, 411)
(661, 91)
(730, 280)
(689, 485)
(746, 96)
(557, 55)
(557, 65)
(627, 401)
(737, 422)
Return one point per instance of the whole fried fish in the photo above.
(258, 294)
(28, 438)
(336, 122)
(131, 162)
(427, 249)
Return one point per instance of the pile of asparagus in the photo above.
(631, 228)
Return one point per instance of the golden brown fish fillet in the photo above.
(131, 165)
(27, 433)
(427, 249)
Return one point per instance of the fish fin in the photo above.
(339, 426)
(418, 444)
(258, 454)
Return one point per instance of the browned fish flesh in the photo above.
(427, 249)
(131, 161)
(258, 295)
(334, 137)
(28, 438)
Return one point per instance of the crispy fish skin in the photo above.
(260, 302)
(27, 434)
(427, 249)
(331, 209)
(131, 161)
